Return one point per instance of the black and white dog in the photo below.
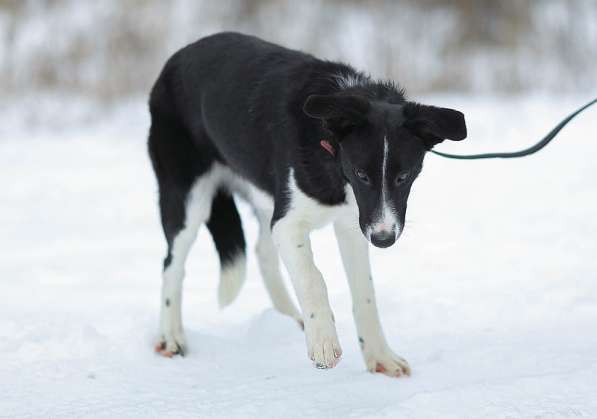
(306, 142)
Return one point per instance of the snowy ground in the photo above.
(491, 294)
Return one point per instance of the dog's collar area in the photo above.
(327, 146)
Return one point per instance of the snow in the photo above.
(491, 293)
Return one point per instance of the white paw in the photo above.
(380, 358)
(322, 343)
(171, 344)
(172, 340)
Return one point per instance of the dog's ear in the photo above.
(434, 125)
(340, 113)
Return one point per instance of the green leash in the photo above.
(527, 151)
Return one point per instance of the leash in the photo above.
(527, 151)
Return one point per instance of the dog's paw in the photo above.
(325, 353)
(171, 345)
(322, 345)
(385, 361)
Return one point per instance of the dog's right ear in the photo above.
(434, 125)
(340, 113)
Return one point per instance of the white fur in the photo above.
(198, 208)
(267, 254)
(387, 219)
(291, 236)
(346, 81)
(269, 265)
(355, 256)
(232, 278)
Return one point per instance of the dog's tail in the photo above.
(226, 229)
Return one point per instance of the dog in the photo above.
(305, 142)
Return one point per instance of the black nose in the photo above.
(385, 239)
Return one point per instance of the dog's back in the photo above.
(226, 90)
(244, 96)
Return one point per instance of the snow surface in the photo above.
(491, 294)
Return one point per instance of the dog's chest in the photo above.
(302, 207)
(317, 215)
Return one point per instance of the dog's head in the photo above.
(381, 148)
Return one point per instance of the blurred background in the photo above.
(111, 49)
(494, 281)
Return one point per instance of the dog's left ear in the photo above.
(434, 125)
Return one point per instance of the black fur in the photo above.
(225, 227)
(261, 110)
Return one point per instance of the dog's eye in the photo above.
(401, 178)
(362, 176)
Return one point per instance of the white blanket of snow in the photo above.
(491, 294)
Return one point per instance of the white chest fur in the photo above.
(315, 215)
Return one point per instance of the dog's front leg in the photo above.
(354, 249)
(291, 236)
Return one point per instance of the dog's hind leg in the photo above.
(269, 265)
(187, 181)
(195, 210)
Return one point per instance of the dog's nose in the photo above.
(383, 239)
